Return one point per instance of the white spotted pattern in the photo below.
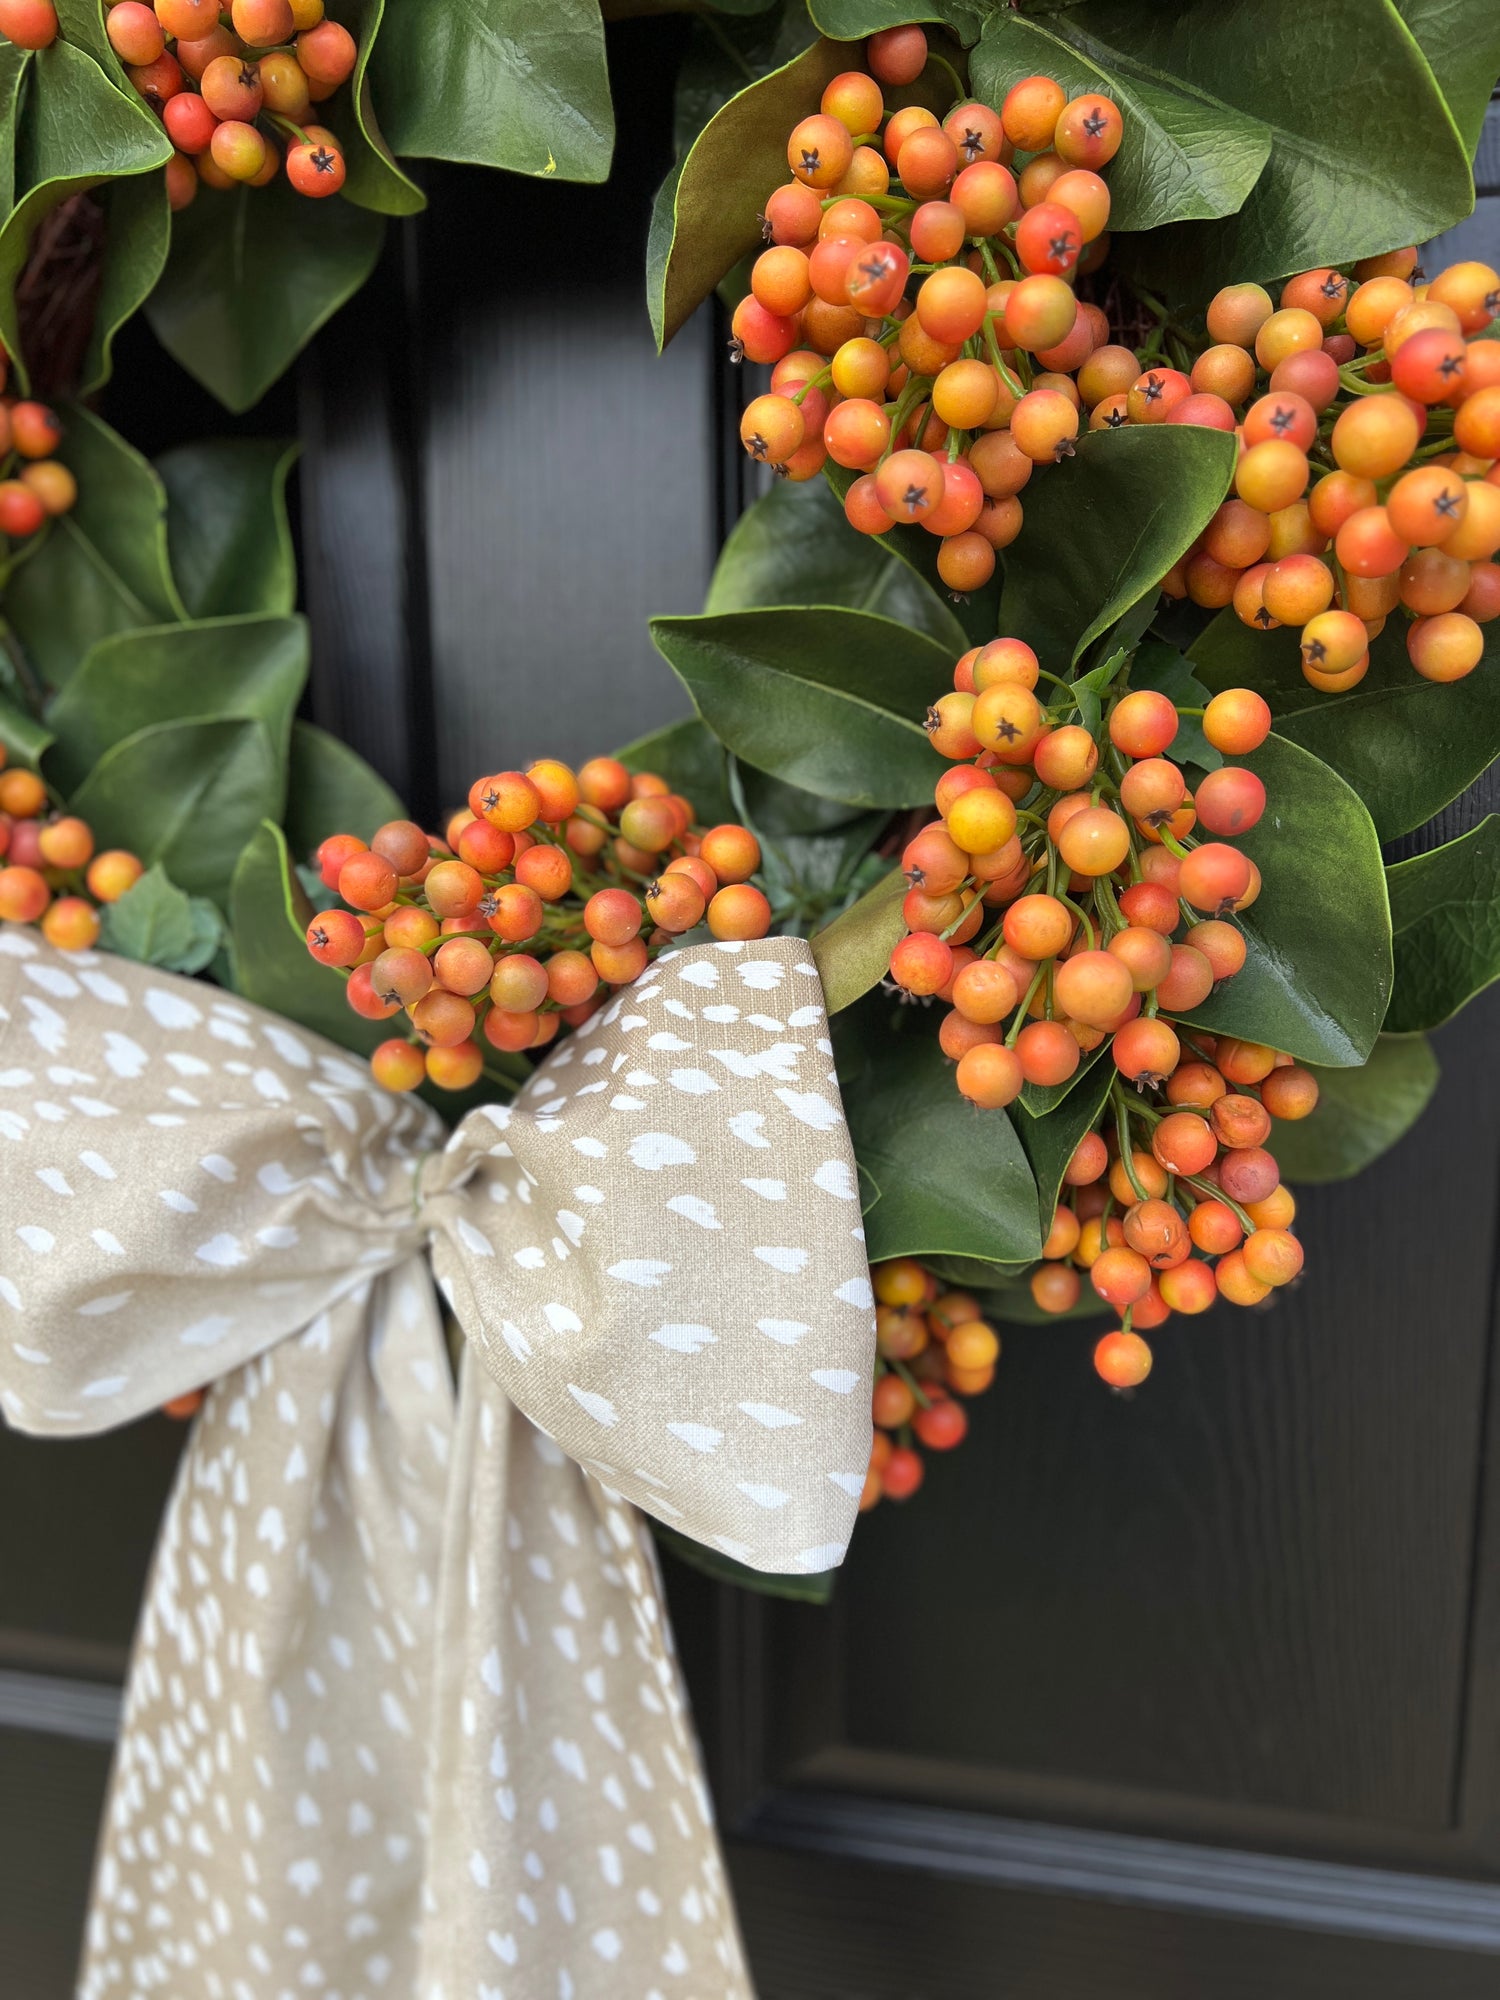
(403, 1717)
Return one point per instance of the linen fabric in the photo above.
(403, 1716)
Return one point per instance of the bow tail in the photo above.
(573, 1848)
(264, 1822)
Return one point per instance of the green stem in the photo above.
(1020, 1020)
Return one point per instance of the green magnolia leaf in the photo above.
(227, 530)
(224, 668)
(952, 1181)
(1038, 1099)
(14, 68)
(137, 232)
(331, 789)
(1461, 41)
(825, 699)
(707, 216)
(156, 924)
(252, 275)
(814, 1588)
(187, 794)
(1107, 525)
(854, 952)
(1361, 1112)
(21, 734)
(850, 20)
(1445, 916)
(76, 129)
(1051, 1140)
(520, 84)
(373, 180)
(1318, 972)
(103, 568)
(1334, 187)
(691, 759)
(268, 919)
(794, 546)
(1166, 670)
(724, 55)
(975, 613)
(1184, 154)
(1406, 745)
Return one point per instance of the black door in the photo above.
(1194, 1694)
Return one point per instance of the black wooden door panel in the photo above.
(1241, 1597)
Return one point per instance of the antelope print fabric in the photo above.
(403, 1716)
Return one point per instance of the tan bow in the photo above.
(403, 1717)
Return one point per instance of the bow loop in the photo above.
(185, 1181)
(656, 1251)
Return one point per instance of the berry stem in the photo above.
(1020, 1021)
(943, 63)
(1127, 1150)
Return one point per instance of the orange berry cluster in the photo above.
(917, 301)
(1196, 1213)
(1376, 391)
(549, 887)
(49, 872)
(932, 1345)
(1072, 855)
(225, 94)
(34, 486)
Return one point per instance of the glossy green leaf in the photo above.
(724, 55)
(1445, 916)
(1169, 672)
(1038, 1099)
(227, 528)
(951, 1181)
(268, 919)
(1051, 1140)
(707, 216)
(520, 84)
(104, 567)
(829, 700)
(851, 20)
(251, 277)
(1406, 745)
(813, 1588)
(332, 789)
(1106, 525)
(1361, 1113)
(187, 794)
(373, 179)
(1337, 185)
(137, 232)
(21, 734)
(15, 66)
(156, 924)
(976, 612)
(853, 953)
(76, 130)
(794, 546)
(1461, 41)
(1184, 153)
(1318, 974)
(222, 669)
(691, 759)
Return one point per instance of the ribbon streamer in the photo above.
(403, 1717)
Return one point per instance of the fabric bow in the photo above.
(403, 1717)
